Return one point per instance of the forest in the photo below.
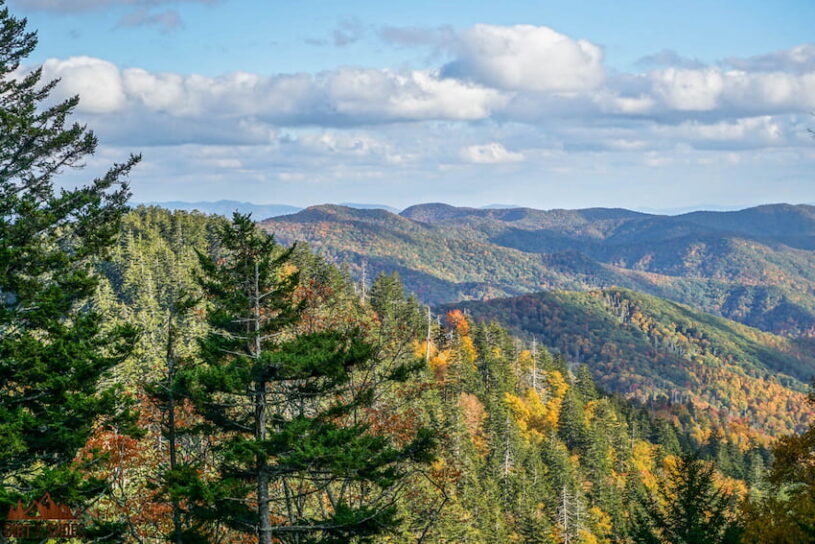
(753, 266)
(187, 378)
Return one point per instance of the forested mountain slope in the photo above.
(756, 266)
(529, 449)
(748, 382)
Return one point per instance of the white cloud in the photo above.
(735, 91)
(491, 153)
(539, 102)
(340, 97)
(526, 58)
(97, 82)
(689, 90)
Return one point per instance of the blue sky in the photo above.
(657, 105)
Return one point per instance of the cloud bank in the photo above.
(522, 97)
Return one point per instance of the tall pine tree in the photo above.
(300, 461)
(53, 348)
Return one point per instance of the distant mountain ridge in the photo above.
(755, 265)
(258, 211)
(228, 207)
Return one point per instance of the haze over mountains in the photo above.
(258, 211)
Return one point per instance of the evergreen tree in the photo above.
(178, 477)
(300, 462)
(693, 510)
(54, 349)
(584, 382)
(572, 425)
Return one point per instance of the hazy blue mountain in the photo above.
(227, 207)
(369, 206)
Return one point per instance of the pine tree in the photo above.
(693, 509)
(54, 349)
(572, 425)
(300, 462)
(178, 477)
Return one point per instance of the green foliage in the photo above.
(784, 511)
(289, 405)
(717, 262)
(690, 509)
(55, 349)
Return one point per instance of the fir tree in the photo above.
(54, 349)
(300, 462)
(693, 510)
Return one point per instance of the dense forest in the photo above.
(512, 443)
(753, 266)
(185, 378)
(727, 378)
(527, 447)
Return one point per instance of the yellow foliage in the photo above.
(439, 364)
(602, 522)
(534, 417)
(467, 350)
(670, 463)
(731, 486)
(287, 270)
(557, 383)
(420, 349)
(585, 537)
(642, 456)
(525, 360)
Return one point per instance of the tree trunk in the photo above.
(265, 525)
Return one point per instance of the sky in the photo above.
(657, 105)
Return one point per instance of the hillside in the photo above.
(756, 266)
(520, 435)
(652, 349)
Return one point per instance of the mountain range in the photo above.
(756, 265)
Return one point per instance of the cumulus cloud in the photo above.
(526, 58)
(523, 95)
(491, 153)
(689, 90)
(517, 87)
(736, 91)
(97, 82)
(339, 97)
